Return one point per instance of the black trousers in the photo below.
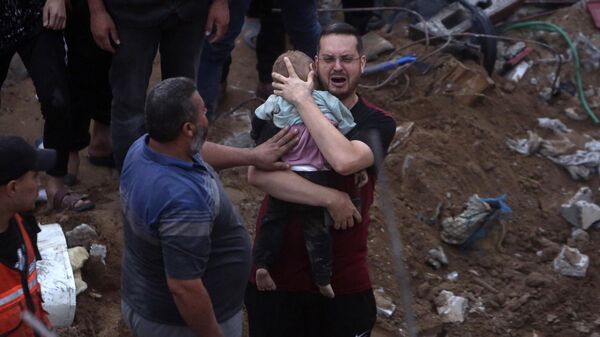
(315, 228)
(358, 19)
(305, 314)
(298, 19)
(44, 58)
(88, 68)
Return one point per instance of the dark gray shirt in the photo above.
(179, 223)
(153, 13)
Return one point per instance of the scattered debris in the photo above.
(581, 327)
(553, 124)
(82, 235)
(570, 262)
(453, 276)
(403, 131)
(580, 211)
(486, 285)
(437, 258)
(466, 84)
(590, 49)
(97, 250)
(525, 146)
(580, 236)
(94, 294)
(571, 113)
(385, 306)
(519, 71)
(535, 280)
(473, 223)
(374, 45)
(590, 214)
(451, 308)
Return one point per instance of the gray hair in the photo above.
(169, 106)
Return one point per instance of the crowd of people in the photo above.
(189, 266)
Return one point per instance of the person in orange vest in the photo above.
(19, 287)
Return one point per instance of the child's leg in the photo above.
(318, 246)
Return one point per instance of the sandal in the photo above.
(66, 200)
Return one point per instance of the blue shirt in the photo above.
(179, 223)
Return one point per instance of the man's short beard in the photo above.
(198, 140)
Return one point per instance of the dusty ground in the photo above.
(456, 151)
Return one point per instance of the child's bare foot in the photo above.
(327, 291)
(264, 280)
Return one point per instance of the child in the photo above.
(306, 160)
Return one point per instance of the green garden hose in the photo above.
(542, 25)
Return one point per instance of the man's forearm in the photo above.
(194, 305)
(288, 186)
(344, 156)
(223, 157)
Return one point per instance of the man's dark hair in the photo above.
(168, 106)
(341, 28)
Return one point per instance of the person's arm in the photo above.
(289, 186)
(54, 14)
(218, 16)
(344, 156)
(194, 305)
(102, 26)
(266, 155)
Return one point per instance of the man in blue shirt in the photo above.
(187, 252)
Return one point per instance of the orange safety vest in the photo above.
(13, 298)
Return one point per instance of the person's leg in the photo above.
(349, 315)
(318, 246)
(129, 75)
(268, 241)
(317, 236)
(216, 55)
(44, 58)
(143, 327)
(5, 59)
(88, 68)
(270, 43)
(282, 313)
(180, 47)
(359, 20)
(233, 326)
(302, 24)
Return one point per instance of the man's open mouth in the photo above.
(338, 80)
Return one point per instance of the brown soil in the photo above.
(456, 151)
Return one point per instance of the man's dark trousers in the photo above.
(180, 45)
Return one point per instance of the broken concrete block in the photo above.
(80, 284)
(589, 213)
(570, 211)
(451, 308)
(570, 262)
(77, 257)
(82, 235)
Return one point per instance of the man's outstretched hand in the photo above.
(267, 155)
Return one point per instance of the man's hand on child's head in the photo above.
(293, 89)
